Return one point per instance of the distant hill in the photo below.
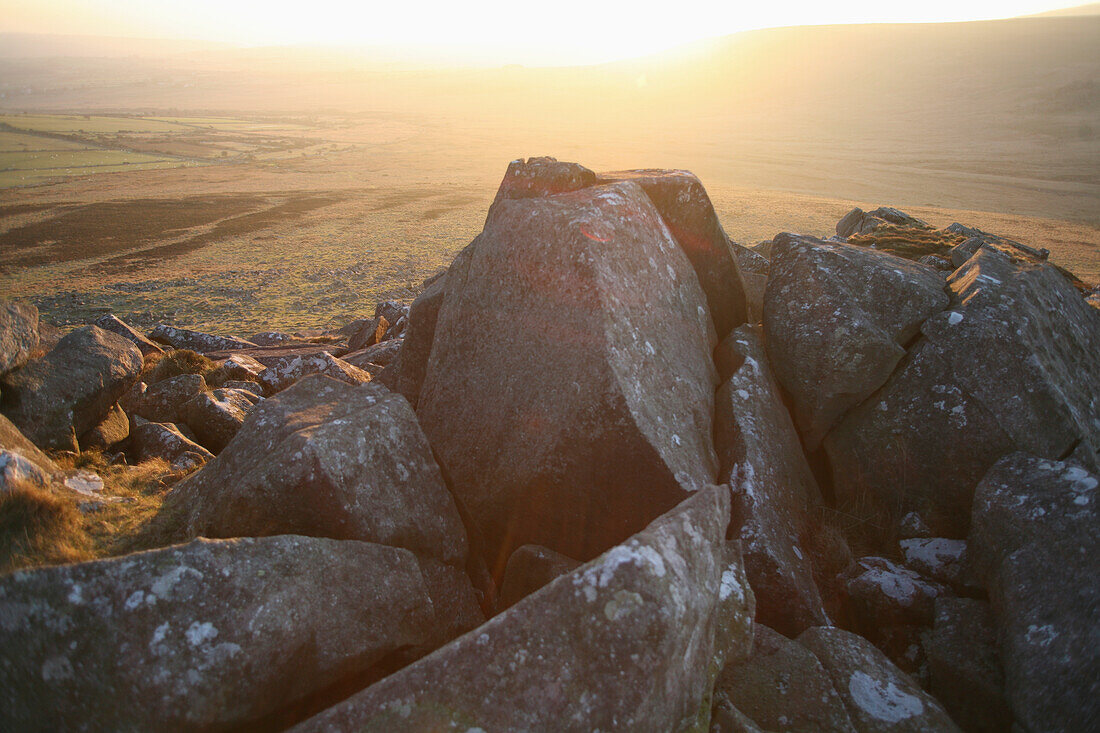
(37, 45)
(1078, 10)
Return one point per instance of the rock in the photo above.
(18, 469)
(942, 264)
(18, 334)
(190, 637)
(187, 462)
(884, 594)
(14, 441)
(87, 483)
(381, 354)
(371, 333)
(238, 367)
(406, 373)
(288, 370)
(163, 401)
(851, 223)
(114, 429)
(327, 459)
(630, 641)
(71, 389)
(537, 177)
(1011, 366)
(164, 440)
(878, 695)
(202, 343)
(683, 203)
(725, 718)
(583, 409)
(942, 560)
(114, 324)
(783, 687)
(396, 315)
(252, 387)
(759, 454)
(272, 338)
(529, 568)
(1034, 543)
(754, 276)
(217, 416)
(837, 318)
(965, 665)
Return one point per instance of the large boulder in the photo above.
(1035, 544)
(327, 459)
(406, 373)
(1011, 366)
(289, 369)
(760, 455)
(542, 176)
(216, 416)
(111, 430)
(381, 354)
(630, 641)
(70, 390)
(880, 697)
(684, 205)
(18, 334)
(783, 687)
(529, 568)
(163, 440)
(204, 636)
(13, 441)
(838, 318)
(583, 408)
(114, 324)
(163, 401)
(197, 341)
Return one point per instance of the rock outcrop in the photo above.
(197, 341)
(111, 322)
(18, 334)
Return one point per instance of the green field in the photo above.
(70, 159)
(19, 142)
(90, 124)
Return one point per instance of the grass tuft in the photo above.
(181, 361)
(40, 527)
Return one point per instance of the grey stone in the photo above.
(760, 455)
(632, 640)
(13, 441)
(529, 568)
(215, 417)
(238, 367)
(583, 409)
(18, 334)
(406, 373)
(202, 636)
(111, 431)
(381, 354)
(272, 338)
(837, 318)
(754, 276)
(114, 324)
(545, 176)
(941, 559)
(252, 387)
(70, 390)
(164, 440)
(163, 401)
(370, 334)
(878, 695)
(197, 341)
(783, 687)
(289, 369)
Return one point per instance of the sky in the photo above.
(503, 31)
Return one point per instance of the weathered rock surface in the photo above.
(783, 687)
(591, 417)
(837, 318)
(13, 441)
(884, 594)
(164, 440)
(858, 221)
(633, 640)
(878, 695)
(940, 559)
(163, 401)
(370, 334)
(1011, 366)
(252, 387)
(545, 176)
(238, 367)
(529, 568)
(71, 389)
(289, 369)
(965, 665)
(1035, 542)
(202, 636)
(272, 338)
(327, 459)
(112, 430)
(406, 373)
(18, 334)
(114, 324)
(684, 205)
(197, 341)
(381, 354)
(16, 469)
(760, 455)
(754, 276)
(216, 416)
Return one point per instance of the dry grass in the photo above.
(909, 242)
(159, 367)
(40, 527)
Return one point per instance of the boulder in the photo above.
(13, 441)
(760, 455)
(203, 636)
(197, 341)
(406, 373)
(238, 367)
(754, 276)
(965, 665)
(17, 469)
(838, 318)
(289, 369)
(529, 568)
(941, 559)
(884, 594)
(537, 177)
(630, 641)
(111, 431)
(1011, 366)
(114, 324)
(163, 401)
(583, 409)
(71, 389)
(396, 315)
(272, 338)
(18, 334)
(164, 440)
(370, 334)
(878, 695)
(328, 459)
(783, 687)
(215, 417)
(1035, 545)
(683, 203)
(381, 354)
(252, 387)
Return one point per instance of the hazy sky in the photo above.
(560, 31)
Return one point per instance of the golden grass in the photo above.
(159, 367)
(39, 527)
